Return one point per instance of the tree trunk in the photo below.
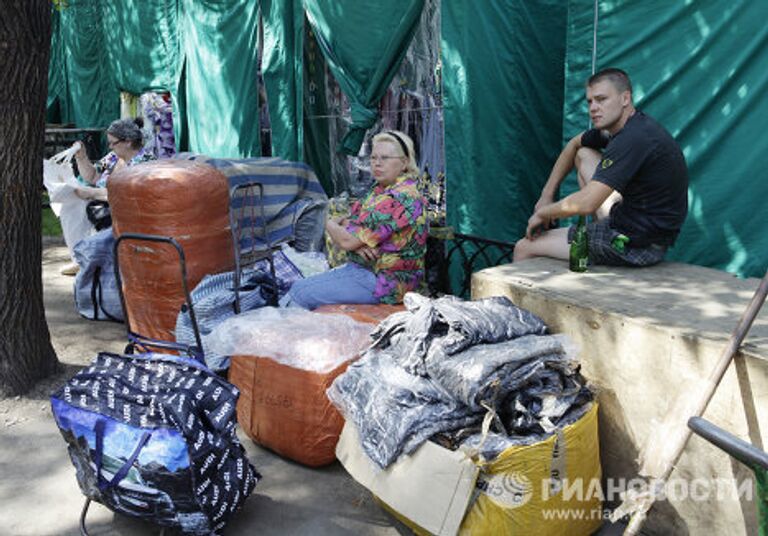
(26, 354)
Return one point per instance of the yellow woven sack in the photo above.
(550, 488)
(537, 490)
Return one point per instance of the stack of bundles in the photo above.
(283, 361)
(153, 436)
(442, 365)
(445, 370)
(188, 201)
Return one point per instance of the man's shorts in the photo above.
(602, 251)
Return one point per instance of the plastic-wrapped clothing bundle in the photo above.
(487, 373)
(283, 405)
(433, 329)
(531, 381)
(214, 298)
(293, 336)
(188, 201)
(153, 436)
(393, 410)
(396, 411)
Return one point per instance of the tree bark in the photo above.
(26, 354)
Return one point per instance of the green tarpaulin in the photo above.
(503, 98)
(142, 42)
(217, 98)
(281, 66)
(363, 44)
(90, 97)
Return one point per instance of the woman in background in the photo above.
(126, 143)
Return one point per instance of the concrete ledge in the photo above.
(647, 337)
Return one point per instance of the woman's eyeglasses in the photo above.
(376, 158)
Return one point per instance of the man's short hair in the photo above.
(617, 77)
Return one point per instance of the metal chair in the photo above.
(250, 239)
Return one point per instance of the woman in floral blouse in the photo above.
(386, 236)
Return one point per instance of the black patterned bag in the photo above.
(153, 436)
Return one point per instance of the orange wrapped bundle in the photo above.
(185, 200)
(371, 314)
(285, 408)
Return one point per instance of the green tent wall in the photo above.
(503, 103)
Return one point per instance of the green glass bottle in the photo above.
(579, 255)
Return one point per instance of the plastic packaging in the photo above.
(285, 408)
(61, 184)
(308, 262)
(294, 337)
(186, 200)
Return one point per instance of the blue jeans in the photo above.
(349, 283)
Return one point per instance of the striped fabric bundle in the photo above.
(294, 200)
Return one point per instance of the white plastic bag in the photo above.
(309, 263)
(293, 336)
(61, 185)
(59, 179)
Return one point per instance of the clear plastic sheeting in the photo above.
(294, 337)
(309, 263)
(432, 329)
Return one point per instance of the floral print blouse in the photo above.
(392, 219)
(106, 165)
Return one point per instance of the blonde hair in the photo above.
(398, 139)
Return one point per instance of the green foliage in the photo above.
(51, 224)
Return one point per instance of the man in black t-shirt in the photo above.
(632, 177)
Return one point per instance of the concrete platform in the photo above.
(648, 337)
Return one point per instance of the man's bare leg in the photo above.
(586, 163)
(553, 243)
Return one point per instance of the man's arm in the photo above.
(586, 201)
(563, 165)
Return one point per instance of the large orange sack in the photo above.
(185, 200)
(285, 408)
